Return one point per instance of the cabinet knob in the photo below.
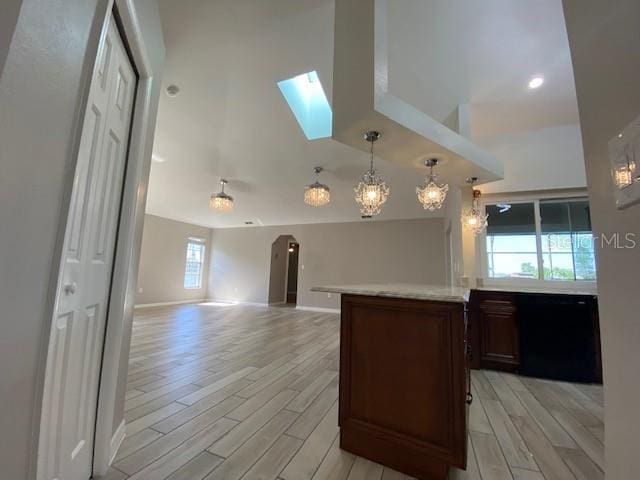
(70, 288)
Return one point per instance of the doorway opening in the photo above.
(292, 273)
(283, 275)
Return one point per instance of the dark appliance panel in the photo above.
(559, 337)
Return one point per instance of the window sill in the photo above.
(541, 286)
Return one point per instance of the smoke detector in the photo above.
(173, 90)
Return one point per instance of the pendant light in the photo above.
(221, 201)
(430, 194)
(317, 194)
(474, 219)
(371, 192)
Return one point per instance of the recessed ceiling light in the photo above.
(620, 135)
(536, 82)
(173, 90)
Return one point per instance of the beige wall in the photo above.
(162, 261)
(605, 48)
(409, 251)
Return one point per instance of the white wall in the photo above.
(163, 258)
(604, 38)
(544, 159)
(410, 251)
(42, 91)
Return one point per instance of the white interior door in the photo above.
(76, 343)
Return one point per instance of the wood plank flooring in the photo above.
(243, 392)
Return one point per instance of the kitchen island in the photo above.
(404, 378)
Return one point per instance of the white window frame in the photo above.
(482, 264)
(202, 242)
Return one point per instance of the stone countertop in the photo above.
(541, 289)
(438, 293)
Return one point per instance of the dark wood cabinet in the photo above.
(498, 331)
(403, 383)
(545, 335)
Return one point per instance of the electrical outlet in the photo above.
(140, 290)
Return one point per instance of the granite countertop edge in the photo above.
(434, 293)
(536, 290)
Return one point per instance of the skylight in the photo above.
(309, 104)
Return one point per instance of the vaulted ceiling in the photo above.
(230, 119)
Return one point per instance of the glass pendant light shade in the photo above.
(317, 194)
(371, 192)
(473, 219)
(221, 201)
(430, 194)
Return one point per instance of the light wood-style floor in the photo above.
(243, 392)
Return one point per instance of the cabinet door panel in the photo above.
(499, 338)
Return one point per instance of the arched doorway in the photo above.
(283, 275)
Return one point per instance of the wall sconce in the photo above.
(624, 175)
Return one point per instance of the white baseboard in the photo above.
(166, 304)
(232, 302)
(258, 304)
(318, 309)
(116, 441)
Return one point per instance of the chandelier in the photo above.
(371, 192)
(430, 194)
(474, 219)
(317, 194)
(221, 201)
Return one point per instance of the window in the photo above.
(540, 240)
(567, 242)
(511, 241)
(195, 263)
